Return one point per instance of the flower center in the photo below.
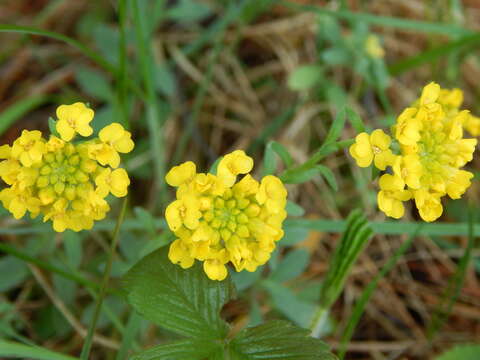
(376, 150)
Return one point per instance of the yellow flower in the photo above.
(374, 147)
(28, 148)
(73, 119)
(428, 204)
(232, 165)
(61, 180)
(373, 47)
(432, 150)
(472, 125)
(218, 221)
(408, 126)
(181, 174)
(113, 139)
(392, 193)
(115, 182)
(409, 169)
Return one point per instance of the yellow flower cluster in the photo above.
(218, 221)
(431, 153)
(66, 182)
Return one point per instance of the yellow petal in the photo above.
(215, 270)
(65, 130)
(181, 174)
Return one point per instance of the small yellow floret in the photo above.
(374, 147)
(74, 119)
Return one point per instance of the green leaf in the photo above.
(294, 209)
(192, 349)
(328, 176)
(293, 235)
(15, 350)
(165, 81)
(189, 11)
(93, 83)
(244, 279)
(305, 77)
(336, 56)
(270, 161)
(355, 120)
(72, 243)
(461, 352)
(16, 269)
(278, 340)
(52, 126)
(184, 301)
(291, 266)
(292, 307)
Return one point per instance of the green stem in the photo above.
(106, 276)
(319, 320)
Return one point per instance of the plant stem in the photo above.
(87, 345)
(319, 320)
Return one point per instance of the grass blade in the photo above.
(154, 118)
(455, 284)
(433, 54)
(14, 350)
(57, 36)
(386, 21)
(367, 293)
(18, 109)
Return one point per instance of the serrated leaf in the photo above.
(305, 77)
(291, 266)
(278, 340)
(184, 301)
(461, 352)
(192, 349)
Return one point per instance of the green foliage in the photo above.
(354, 239)
(361, 303)
(183, 301)
(277, 340)
(21, 351)
(188, 303)
(305, 77)
(455, 284)
(461, 352)
(194, 349)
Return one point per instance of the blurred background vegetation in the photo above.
(196, 79)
